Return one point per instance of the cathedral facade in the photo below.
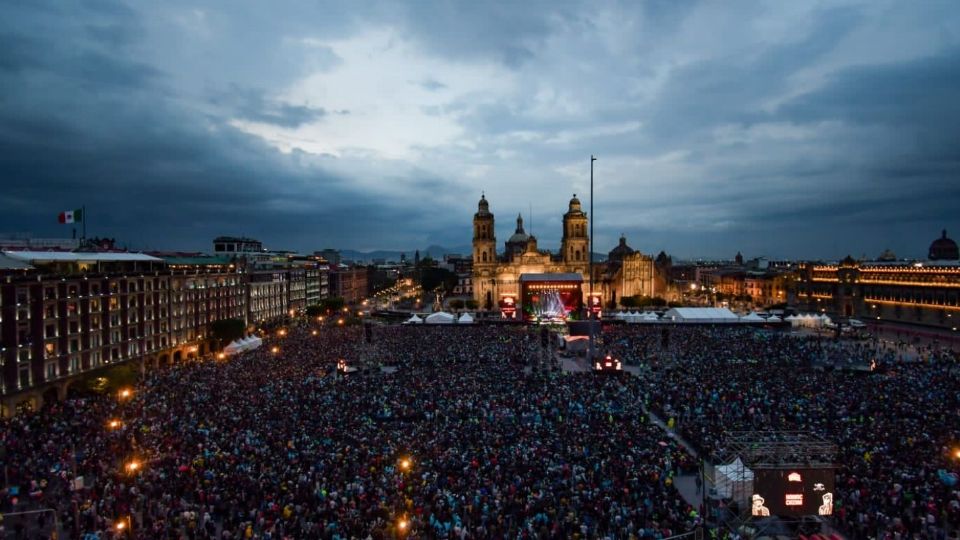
(625, 273)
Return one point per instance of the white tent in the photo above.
(700, 315)
(751, 317)
(734, 481)
(414, 320)
(774, 319)
(440, 317)
(253, 343)
(649, 317)
(233, 348)
(465, 319)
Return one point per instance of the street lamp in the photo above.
(125, 393)
(133, 466)
(114, 424)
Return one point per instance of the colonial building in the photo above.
(626, 273)
(64, 314)
(916, 292)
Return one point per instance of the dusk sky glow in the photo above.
(783, 129)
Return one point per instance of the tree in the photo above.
(472, 304)
(432, 278)
(315, 310)
(329, 305)
(456, 304)
(227, 330)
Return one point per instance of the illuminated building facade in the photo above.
(926, 293)
(64, 314)
(496, 277)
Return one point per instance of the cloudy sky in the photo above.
(785, 129)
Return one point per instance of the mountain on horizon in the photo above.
(435, 251)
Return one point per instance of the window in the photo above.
(23, 355)
(95, 358)
(74, 366)
(95, 288)
(50, 311)
(23, 296)
(73, 308)
(24, 377)
(51, 371)
(50, 331)
(74, 345)
(49, 293)
(50, 349)
(72, 291)
(74, 327)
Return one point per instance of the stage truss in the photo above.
(761, 450)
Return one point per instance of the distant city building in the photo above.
(943, 249)
(234, 245)
(348, 282)
(332, 256)
(494, 276)
(910, 292)
(17, 242)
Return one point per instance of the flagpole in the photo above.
(83, 214)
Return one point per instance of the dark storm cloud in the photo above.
(79, 125)
(795, 143)
(255, 106)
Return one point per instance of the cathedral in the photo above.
(626, 272)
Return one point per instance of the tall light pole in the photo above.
(590, 266)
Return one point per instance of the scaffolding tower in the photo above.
(729, 474)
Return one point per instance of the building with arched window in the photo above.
(626, 273)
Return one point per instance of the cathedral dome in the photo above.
(519, 237)
(887, 256)
(622, 250)
(574, 203)
(944, 249)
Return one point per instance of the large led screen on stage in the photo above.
(792, 492)
(544, 301)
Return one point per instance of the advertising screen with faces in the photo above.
(792, 492)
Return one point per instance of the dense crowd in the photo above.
(464, 436)
(896, 427)
(460, 439)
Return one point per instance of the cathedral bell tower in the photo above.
(484, 240)
(575, 244)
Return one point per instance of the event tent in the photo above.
(700, 315)
(414, 320)
(440, 317)
(752, 317)
(253, 342)
(734, 481)
(774, 319)
(233, 348)
(465, 319)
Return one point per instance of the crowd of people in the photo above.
(895, 424)
(459, 432)
(460, 438)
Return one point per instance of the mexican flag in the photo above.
(71, 216)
